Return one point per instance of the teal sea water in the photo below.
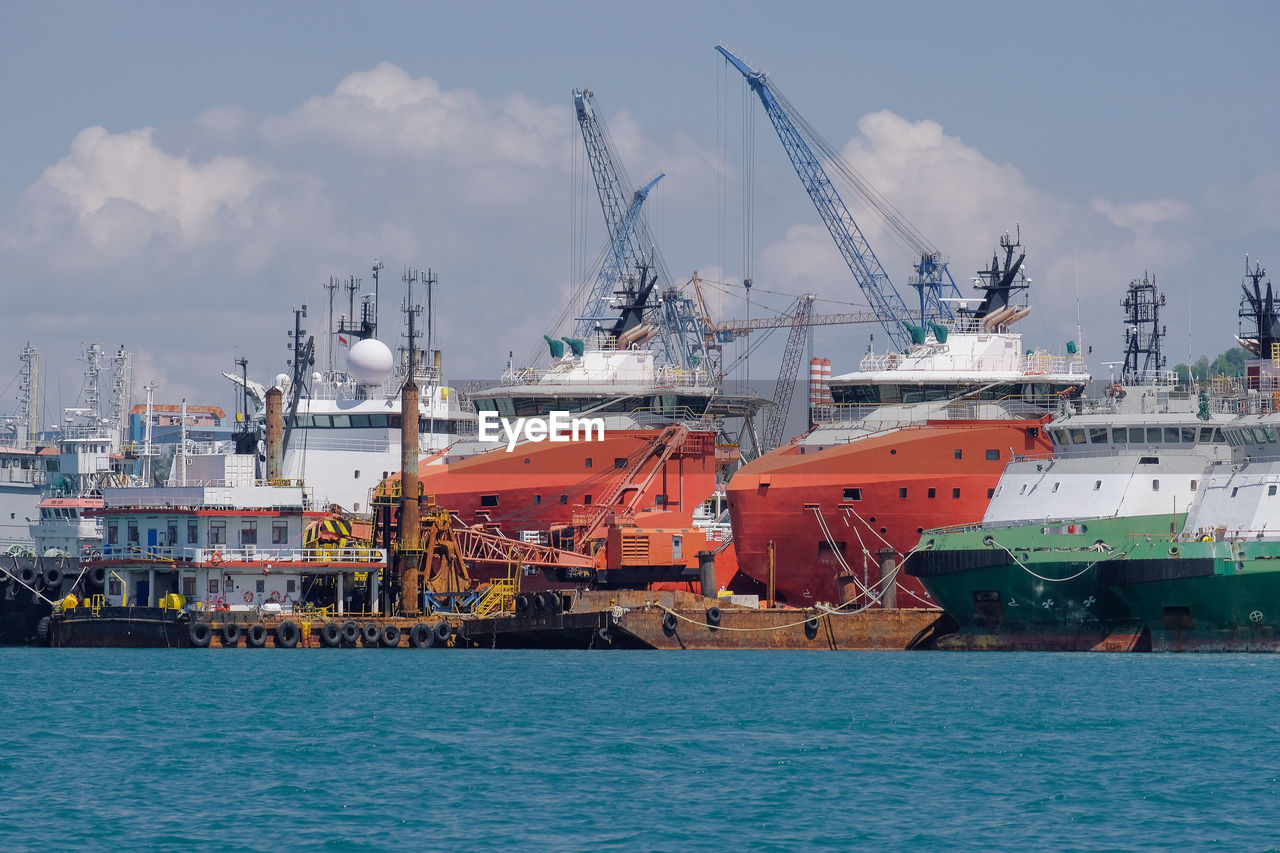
(504, 750)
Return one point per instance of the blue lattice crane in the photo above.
(931, 279)
(631, 247)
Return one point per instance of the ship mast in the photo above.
(29, 397)
(1143, 360)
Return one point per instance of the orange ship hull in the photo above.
(829, 512)
(539, 486)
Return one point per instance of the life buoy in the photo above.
(248, 597)
(1116, 390)
(275, 595)
(216, 559)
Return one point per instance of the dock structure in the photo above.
(601, 619)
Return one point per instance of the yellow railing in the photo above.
(500, 596)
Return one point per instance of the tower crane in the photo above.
(631, 247)
(867, 270)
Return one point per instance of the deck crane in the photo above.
(867, 270)
(776, 425)
(679, 329)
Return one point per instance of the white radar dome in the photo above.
(369, 362)
(282, 381)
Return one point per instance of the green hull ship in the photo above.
(1039, 587)
(1117, 584)
(1210, 596)
(1176, 554)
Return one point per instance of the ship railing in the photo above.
(218, 555)
(85, 433)
(360, 445)
(965, 409)
(1234, 535)
(661, 377)
(25, 476)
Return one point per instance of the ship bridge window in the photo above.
(1097, 435)
(1077, 436)
(620, 462)
(1188, 435)
(1154, 435)
(1171, 435)
(1120, 436)
(342, 421)
(853, 494)
(359, 420)
(993, 455)
(1206, 435)
(488, 500)
(322, 421)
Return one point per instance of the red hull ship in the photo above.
(909, 442)
(829, 513)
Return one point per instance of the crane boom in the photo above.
(776, 425)
(630, 242)
(743, 327)
(861, 260)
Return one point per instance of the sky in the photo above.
(177, 176)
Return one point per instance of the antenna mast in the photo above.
(29, 397)
(329, 327)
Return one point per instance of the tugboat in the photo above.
(910, 441)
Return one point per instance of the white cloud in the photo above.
(122, 190)
(194, 241)
(385, 112)
(1144, 214)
